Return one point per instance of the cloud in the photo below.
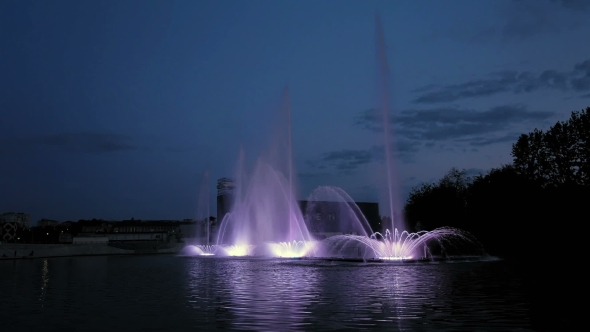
(524, 19)
(482, 141)
(514, 22)
(81, 142)
(574, 4)
(577, 80)
(346, 160)
(429, 128)
(464, 129)
(312, 175)
(449, 123)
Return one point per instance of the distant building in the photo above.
(8, 232)
(225, 191)
(143, 236)
(65, 238)
(47, 223)
(129, 231)
(10, 223)
(325, 218)
(90, 240)
(20, 219)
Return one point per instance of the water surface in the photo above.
(154, 293)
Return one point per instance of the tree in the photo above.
(433, 205)
(558, 156)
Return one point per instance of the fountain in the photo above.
(394, 245)
(200, 242)
(265, 219)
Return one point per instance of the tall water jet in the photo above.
(391, 174)
(200, 235)
(264, 208)
(204, 216)
(287, 100)
(393, 244)
(204, 209)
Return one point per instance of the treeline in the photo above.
(535, 206)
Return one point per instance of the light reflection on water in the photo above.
(152, 293)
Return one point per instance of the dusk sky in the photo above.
(114, 109)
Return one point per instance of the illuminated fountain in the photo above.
(198, 250)
(199, 236)
(448, 242)
(363, 243)
(266, 220)
(359, 241)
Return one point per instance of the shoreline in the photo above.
(33, 251)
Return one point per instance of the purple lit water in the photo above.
(167, 293)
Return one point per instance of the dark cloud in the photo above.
(527, 18)
(519, 20)
(368, 119)
(82, 142)
(509, 81)
(312, 175)
(574, 4)
(582, 83)
(429, 128)
(481, 141)
(585, 96)
(347, 160)
(448, 123)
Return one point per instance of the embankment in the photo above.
(26, 251)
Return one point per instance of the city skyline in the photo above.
(115, 110)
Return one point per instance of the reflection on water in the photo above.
(45, 280)
(188, 294)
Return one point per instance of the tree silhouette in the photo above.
(558, 156)
(518, 209)
(434, 205)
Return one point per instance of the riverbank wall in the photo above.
(30, 251)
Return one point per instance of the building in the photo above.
(90, 240)
(11, 223)
(47, 223)
(225, 190)
(20, 219)
(322, 218)
(65, 238)
(142, 236)
(325, 218)
(133, 230)
(8, 232)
